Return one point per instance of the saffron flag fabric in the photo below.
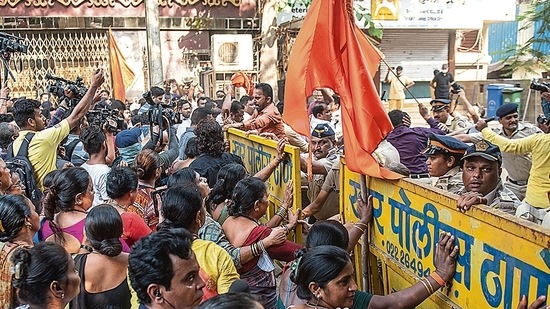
(331, 51)
(121, 74)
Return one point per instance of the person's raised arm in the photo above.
(110, 140)
(386, 80)
(326, 96)
(226, 105)
(469, 106)
(357, 230)
(4, 95)
(445, 266)
(283, 211)
(281, 156)
(85, 104)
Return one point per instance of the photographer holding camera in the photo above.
(157, 95)
(43, 146)
(544, 89)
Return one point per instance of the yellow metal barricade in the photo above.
(256, 153)
(501, 257)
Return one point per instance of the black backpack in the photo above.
(69, 149)
(22, 166)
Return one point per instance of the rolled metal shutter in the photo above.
(420, 52)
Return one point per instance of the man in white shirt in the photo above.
(185, 111)
(97, 144)
(321, 114)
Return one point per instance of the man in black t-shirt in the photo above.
(442, 82)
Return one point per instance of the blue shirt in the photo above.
(79, 155)
(144, 109)
(185, 137)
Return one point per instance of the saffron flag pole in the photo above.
(331, 51)
(121, 74)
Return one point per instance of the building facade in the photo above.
(70, 38)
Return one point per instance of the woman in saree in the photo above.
(242, 228)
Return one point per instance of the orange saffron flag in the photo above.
(121, 74)
(331, 51)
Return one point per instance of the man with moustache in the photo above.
(325, 153)
(164, 272)
(517, 165)
(481, 169)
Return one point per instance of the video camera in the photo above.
(10, 44)
(541, 87)
(77, 89)
(456, 88)
(160, 111)
(105, 117)
(541, 119)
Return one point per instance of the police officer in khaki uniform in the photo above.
(441, 113)
(481, 169)
(517, 165)
(444, 160)
(325, 153)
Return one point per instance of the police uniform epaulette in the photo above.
(505, 197)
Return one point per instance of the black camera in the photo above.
(541, 119)
(105, 117)
(541, 87)
(12, 44)
(160, 111)
(76, 89)
(456, 88)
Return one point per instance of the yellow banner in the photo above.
(501, 257)
(256, 153)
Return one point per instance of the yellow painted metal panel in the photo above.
(256, 153)
(501, 257)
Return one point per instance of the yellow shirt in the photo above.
(539, 180)
(43, 148)
(397, 90)
(215, 262)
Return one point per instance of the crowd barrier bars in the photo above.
(256, 153)
(501, 257)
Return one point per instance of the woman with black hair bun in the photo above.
(324, 233)
(103, 272)
(325, 278)
(228, 177)
(67, 199)
(183, 207)
(188, 174)
(147, 205)
(18, 223)
(44, 276)
(242, 228)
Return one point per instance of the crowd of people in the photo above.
(465, 157)
(155, 212)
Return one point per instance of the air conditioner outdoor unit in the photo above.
(232, 52)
